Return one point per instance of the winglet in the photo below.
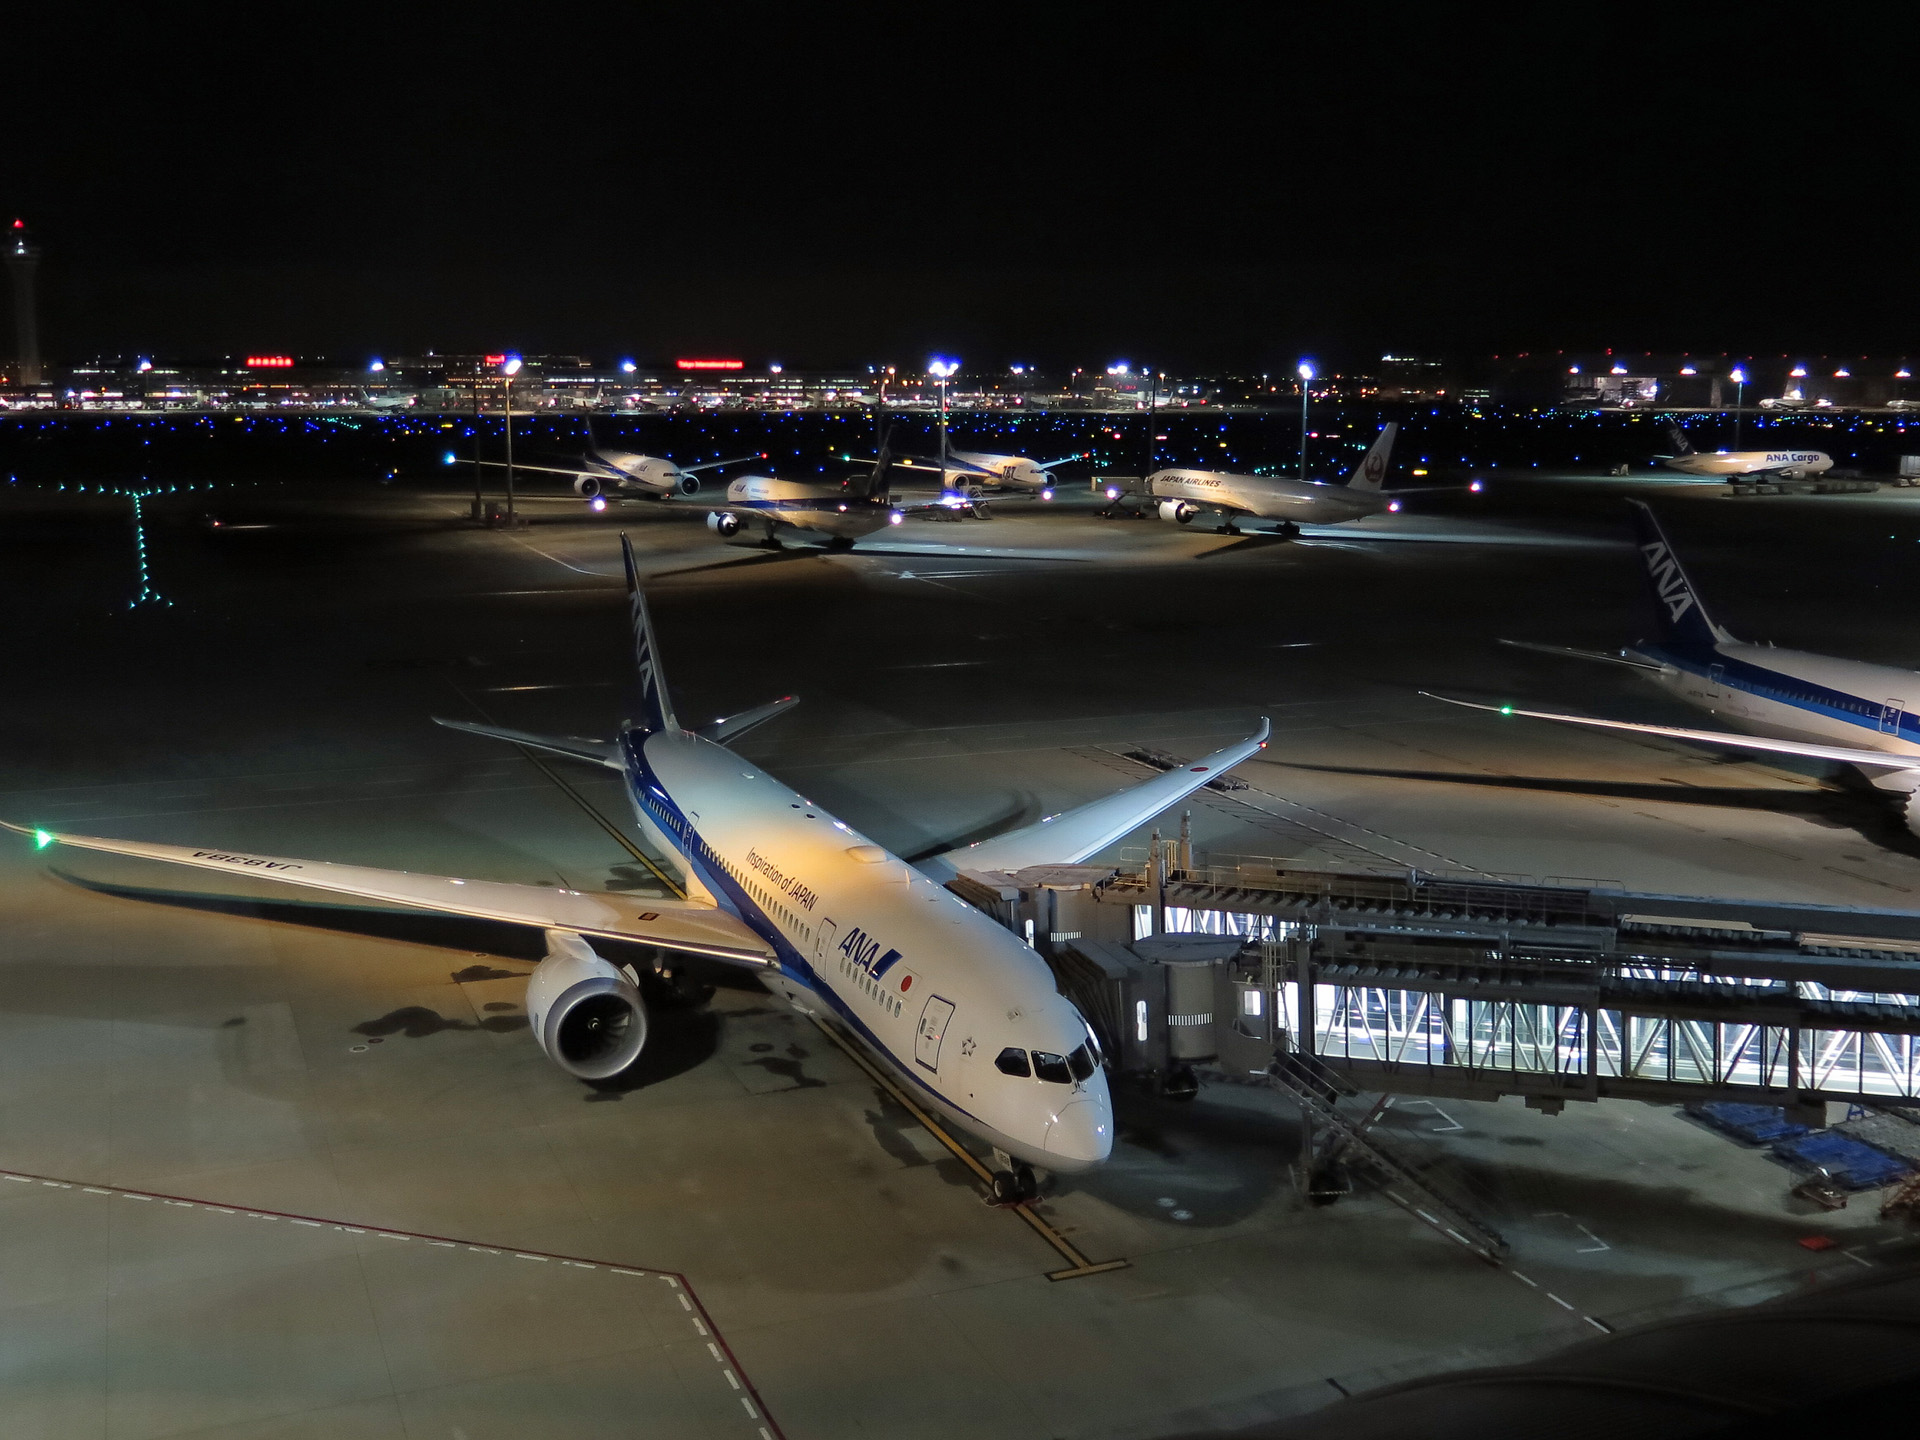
(656, 706)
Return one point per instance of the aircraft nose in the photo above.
(1081, 1134)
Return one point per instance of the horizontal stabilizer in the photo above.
(1605, 657)
(1073, 835)
(597, 752)
(682, 925)
(1845, 754)
(732, 727)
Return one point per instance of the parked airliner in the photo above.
(1740, 465)
(1814, 706)
(1184, 494)
(963, 1013)
(622, 474)
(977, 470)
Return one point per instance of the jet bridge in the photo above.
(1417, 983)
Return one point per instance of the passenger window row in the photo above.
(1060, 1069)
(887, 1000)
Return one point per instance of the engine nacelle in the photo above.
(723, 523)
(587, 486)
(586, 1014)
(1178, 512)
(1910, 808)
(689, 485)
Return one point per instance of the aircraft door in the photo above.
(1890, 718)
(933, 1029)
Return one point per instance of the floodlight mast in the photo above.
(1306, 380)
(509, 368)
(941, 370)
(1739, 396)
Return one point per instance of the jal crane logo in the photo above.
(1376, 467)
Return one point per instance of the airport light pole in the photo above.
(479, 505)
(1739, 393)
(941, 370)
(1306, 377)
(508, 370)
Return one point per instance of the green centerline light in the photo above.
(42, 839)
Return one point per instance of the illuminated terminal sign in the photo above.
(270, 362)
(710, 364)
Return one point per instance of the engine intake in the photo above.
(587, 486)
(689, 484)
(723, 523)
(1177, 511)
(586, 1014)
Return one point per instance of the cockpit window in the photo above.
(1012, 1062)
(1049, 1066)
(1080, 1063)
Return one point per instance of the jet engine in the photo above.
(1910, 808)
(587, 486)
(586, 1013)
(1178, 511)
(723, 523)
(689, 485)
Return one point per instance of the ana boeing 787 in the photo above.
(962, 1012)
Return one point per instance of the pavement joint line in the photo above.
(696, 1312)
(1077, 1264)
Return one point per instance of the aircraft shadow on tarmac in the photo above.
(681, 1032)
(1867, 812)
(1257, 540)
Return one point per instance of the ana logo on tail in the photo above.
(643, 645)
(1667, 580)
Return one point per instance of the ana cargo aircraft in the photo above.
(1809, 705)
(1737, 465)
(621, 474)
(962, 1012)
(1184, 494)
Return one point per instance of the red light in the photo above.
(270, 362)
(710, 364)
(19, 224)
(494, 359)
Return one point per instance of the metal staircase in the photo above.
(1333, 1142)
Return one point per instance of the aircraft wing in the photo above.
(916, 462)
(682, 925)
(1073, 835)
(573, 470)
(732, 727)
(717, 464)
(574, 747)
(1606, 657)
(1845, 754)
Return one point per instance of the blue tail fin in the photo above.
(1683, 618)
(656, 706)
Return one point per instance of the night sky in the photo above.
(1197, 186)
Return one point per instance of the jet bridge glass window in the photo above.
(1013, 1061)
(1049, 1066)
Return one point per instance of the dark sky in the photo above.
(1199, 185)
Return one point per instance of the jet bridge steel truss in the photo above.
(1413, 983)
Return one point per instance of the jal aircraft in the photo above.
(1791, 702)
(622, 474)
(961, 1011)
(772, 511)
(1740, 465)
(1184, 494)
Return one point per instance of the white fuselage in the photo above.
(827, 509)
(934, 987)
(1788, 463)
(624, 470)
(1015, 472)
(1267, 497)
(1794, 695)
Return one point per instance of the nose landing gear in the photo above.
(1013, 1180)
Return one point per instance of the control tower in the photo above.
(23, 259)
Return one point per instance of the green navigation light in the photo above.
(41, 839)
(1506, 709)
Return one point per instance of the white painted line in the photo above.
(1857, 1259)
(671, 1282)
(1522, 1279)
(125, 1196)
(763, 1434)
(20, 1179)
(701, 1328)
(618, 1271)
(314, 1223)
(1593, 1249)
(541, 1258)
(684, 1305)
(1603, 1329)
(95, 1190)
(60, 1185)
(752, 1414)
(223, 1210)
(714, 1350)
(1558, 1301)
(389, 1235)
(444, 1244)
(352, 1229)
(483, 1249)
(730, 1380)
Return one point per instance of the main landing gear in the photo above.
(1013, 1180)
